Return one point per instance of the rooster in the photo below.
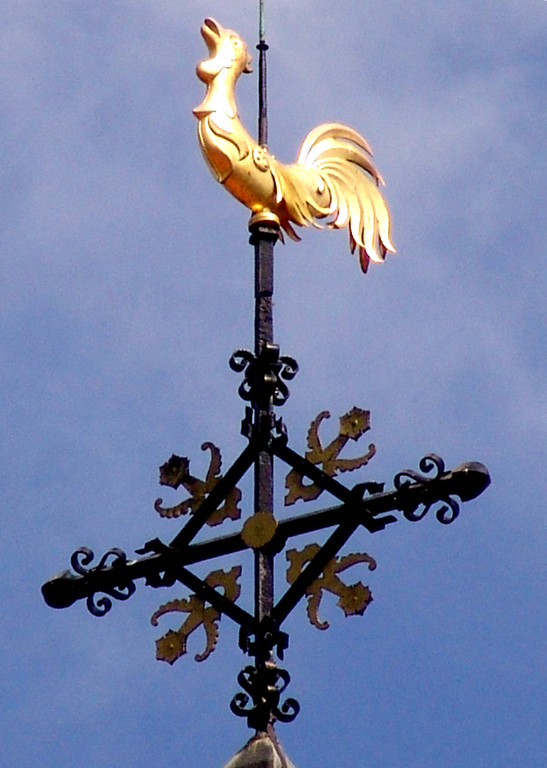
(334, 175)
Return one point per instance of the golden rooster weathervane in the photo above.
(334, 175)
(334, 179)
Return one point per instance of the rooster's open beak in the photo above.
(211, 32)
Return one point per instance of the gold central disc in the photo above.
(259, 529)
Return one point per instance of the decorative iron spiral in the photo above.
(264, 374)
(263, 688)
(449, 509)
(114, 558)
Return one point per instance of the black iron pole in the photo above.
(264, 233)
(263, 237)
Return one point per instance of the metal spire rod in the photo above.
(264, 234)
(262, 83)
(261, 19)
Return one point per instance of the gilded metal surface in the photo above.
(172, 645)
(353, 425)
(353, 599)
(259, 529)
(334, 175)
(176, 472)
(263, 217)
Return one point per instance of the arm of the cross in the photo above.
(412, 489)
(467, 482)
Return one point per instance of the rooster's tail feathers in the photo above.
(342, 157)
(334, 140)
(331, 131)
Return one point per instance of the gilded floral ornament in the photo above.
(172, 645)
(353, 599)
(176, 472)
(353, 425)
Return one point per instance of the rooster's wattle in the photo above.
(333, 176)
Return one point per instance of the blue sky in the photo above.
(127, 284)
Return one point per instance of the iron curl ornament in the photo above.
(265, 374)
(449, 509)
(114, 560)
(263, 688)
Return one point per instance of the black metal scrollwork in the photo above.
(264, 374)
(113, 559)
(260, 702)
(429, 463)
(85, 556)
(449, 509)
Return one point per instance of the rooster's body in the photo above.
(333, 175)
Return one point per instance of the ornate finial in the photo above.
(334, 175)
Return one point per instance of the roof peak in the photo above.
(263, 750)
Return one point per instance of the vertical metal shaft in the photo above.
(264, 241)
(264, 228)
(262, 80)
(264, 236)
